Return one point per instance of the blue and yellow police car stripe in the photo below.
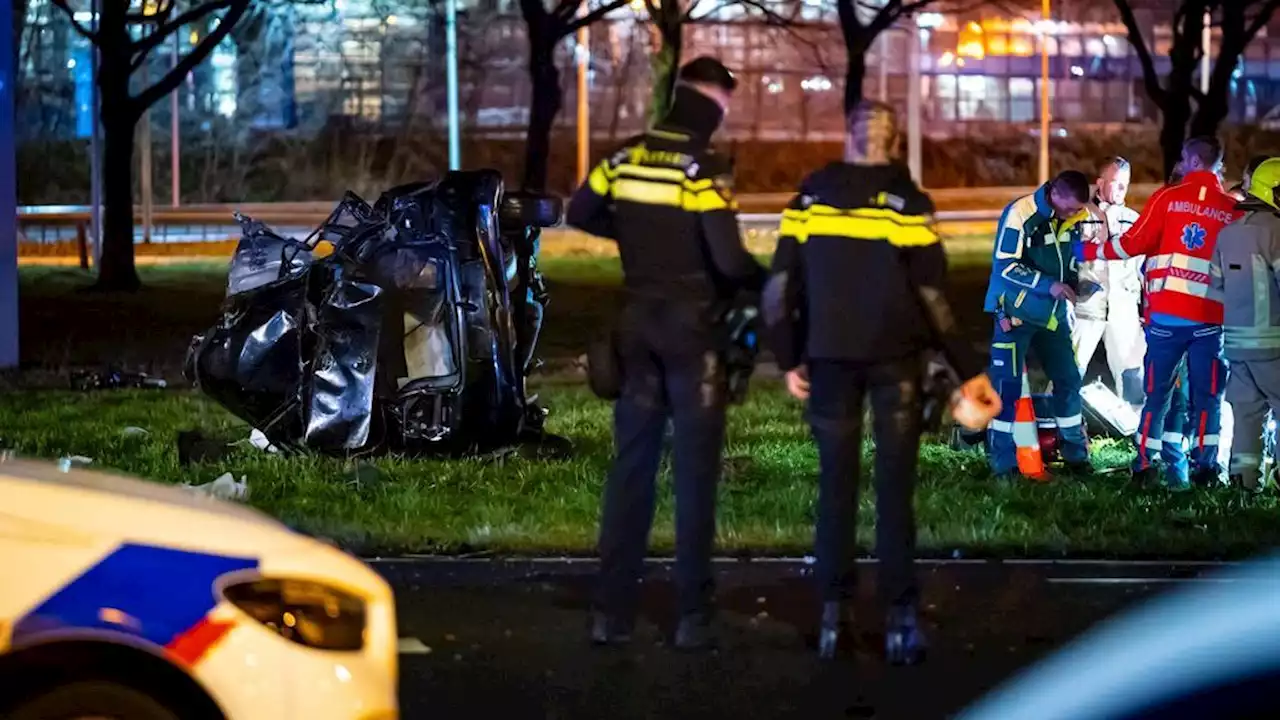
(160, 595)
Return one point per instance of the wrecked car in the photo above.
(415, 335)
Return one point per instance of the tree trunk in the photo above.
(1173, 124)
(666, 64)
(1210, 114)
(117, 272)
(853, 76)
(545, 104)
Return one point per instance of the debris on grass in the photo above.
(260, 441)
(73, 461)
(112, 379)
(134, 431)
(225, 487)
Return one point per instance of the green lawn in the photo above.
(517, 504)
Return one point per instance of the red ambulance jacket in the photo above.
(1177, 232)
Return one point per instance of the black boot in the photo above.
(904, 643)
(1206, 478)
(837, 622)
(1146, 478)
(694, 632)
(609, 629)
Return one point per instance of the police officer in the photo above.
(667, 199)
(852, 307)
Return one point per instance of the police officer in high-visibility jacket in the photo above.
(1031, 292)
(1178, 232)
(667, 199)
(854, 303)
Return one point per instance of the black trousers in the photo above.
(836, 410)
(672, 371)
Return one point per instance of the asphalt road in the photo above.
(507, 640)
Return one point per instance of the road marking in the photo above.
(1136, 581)
(493, 559)
(413, 646)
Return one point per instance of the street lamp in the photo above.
(451, 69)
(1044, 91)
(8, 197)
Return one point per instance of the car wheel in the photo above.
(92, 700)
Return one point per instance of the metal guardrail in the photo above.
(60, 224)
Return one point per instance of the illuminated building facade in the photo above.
(379, 63)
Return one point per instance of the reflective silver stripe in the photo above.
(1180, 261)
(1261, 293)
(1001, 426)
(1249, 339)
(1185, 287)
(1025, 434)
(1208, 440)
(1153, 443)
(1173, 438)
(1246, 460)
(1118, 249)
(1070, 422)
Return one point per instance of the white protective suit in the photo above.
(1107, 306)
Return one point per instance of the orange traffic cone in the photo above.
(1026, 435)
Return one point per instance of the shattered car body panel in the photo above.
(415, 335)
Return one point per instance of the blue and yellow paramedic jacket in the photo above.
(1032, 252)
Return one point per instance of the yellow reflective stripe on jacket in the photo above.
(859, 224)
(793, 224)
(669, 187)
(600, 179)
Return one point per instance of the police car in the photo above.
(132, 600)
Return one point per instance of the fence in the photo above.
(963, 212)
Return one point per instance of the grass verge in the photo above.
(521, 505)
(511, 504)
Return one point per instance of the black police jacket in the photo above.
(859, 271)
(667, 199)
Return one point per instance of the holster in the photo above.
(939, 383)
(740, 330)
(604, 366)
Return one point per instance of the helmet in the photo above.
(1263, 182)
(710, 71)
(873, 131)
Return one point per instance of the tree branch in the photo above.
(75, 24)
(592, 17)
(1261, 20)
(175, 76)
(156, 37)
(1139, 44)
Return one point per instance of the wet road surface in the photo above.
(488, 639)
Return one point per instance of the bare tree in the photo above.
(1241, 21)
(545, 29)
(860, 24)
(122, 52)
(670, 17)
